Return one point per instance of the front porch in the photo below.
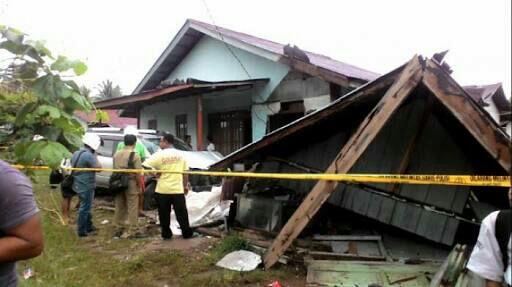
(198, 109)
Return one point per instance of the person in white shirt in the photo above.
(211, 145)
(487, 259)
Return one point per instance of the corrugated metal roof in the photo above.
(328, 63)
(114, 118)
(481, 92)
(122, 102)
(191, 33)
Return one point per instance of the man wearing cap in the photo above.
(84, 182)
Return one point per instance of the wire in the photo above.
(263, 101)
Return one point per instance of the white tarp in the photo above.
(241, 260)
(203, 207)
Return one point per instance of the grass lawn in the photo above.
(101, 261)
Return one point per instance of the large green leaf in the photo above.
(73, 85)
(63, 64)
(61, 89)
(51, 111)
(12, 47)
(79, 68)
(33, 150)
(53, 154)
(43, 87)
(73, 138)
(50, 133)
(20, 149)
(25, 110)
(40, 47)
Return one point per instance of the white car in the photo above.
(111, 137)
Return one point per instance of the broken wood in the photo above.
(347, 237)
(384, 251)
(459, 103)
(349, 154)
(344, 256)
(209, 231)
(316, 71)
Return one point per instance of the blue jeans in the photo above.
(84, 222)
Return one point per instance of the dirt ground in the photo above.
(102, 260)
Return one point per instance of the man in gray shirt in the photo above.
(21, 234)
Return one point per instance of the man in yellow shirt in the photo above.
(171, 187)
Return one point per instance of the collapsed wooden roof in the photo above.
(478, 122)
(390, 92)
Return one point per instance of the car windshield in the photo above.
(178, 143)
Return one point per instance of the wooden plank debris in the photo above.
(347, 237)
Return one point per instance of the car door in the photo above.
(106, 159)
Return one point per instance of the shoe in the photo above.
(166, 238)
(92, 229)
(92, 233)
(194, 234)
(117, 234)
(82, 235)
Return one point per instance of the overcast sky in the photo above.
(120, 40)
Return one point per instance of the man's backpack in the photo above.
(119, 181)
(502, 232)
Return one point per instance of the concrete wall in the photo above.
(210, 60)
(165, 114)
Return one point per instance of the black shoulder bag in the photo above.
(502, 232)
(67, 183)
(119, 181)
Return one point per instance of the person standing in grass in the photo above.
(84, 182)
(143, 153)
(126, 202)
(21, 233)
(171, 188)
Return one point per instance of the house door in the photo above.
(230, 130)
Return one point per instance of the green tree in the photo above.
(86, 92)
(106, 90)
(38, 97)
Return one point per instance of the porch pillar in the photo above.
(199, 122)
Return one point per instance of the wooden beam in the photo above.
(199, 122)
(349, 154)
(319, 237)
(472, 117)
(322, 73)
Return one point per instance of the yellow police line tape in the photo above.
(470, 180)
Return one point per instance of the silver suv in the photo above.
(111, 137)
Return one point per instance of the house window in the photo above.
(152, 125)
(181, 126)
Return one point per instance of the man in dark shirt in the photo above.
(21, 234)
(84, 182)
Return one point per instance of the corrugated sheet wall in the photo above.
(436, 153)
